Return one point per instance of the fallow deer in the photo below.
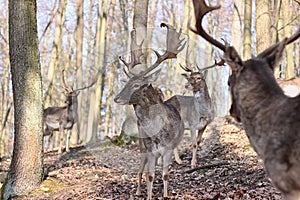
(271, 119)
(61, 118)
(159, 124)
(196, 111)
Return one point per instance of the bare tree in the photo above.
(263, 25)
(78, 35)
(26, 169)
(247, 29)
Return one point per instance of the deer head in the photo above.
(196, 79)
(262, 64)
(70, 93)
(138, 83)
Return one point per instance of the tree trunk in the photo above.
(289, 71)
(96, 92)
(263, 25)
(89, 63)
(113, 68)
(26, 169)
(78, 108)
(140, 19)
(247, 29)
(55, 52)
(236, 33)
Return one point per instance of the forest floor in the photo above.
(227, 168)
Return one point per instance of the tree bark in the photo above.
(97, 91)
(26, 169)
(55, 52)
(289, 70)
(263, 25)
(247, 29)
(78, 106)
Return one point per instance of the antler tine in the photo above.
(135, 54)
(174, 46)
(94, 80)
(67, 88)
(185, 68)
(127, 73)
(294, 37)
(201, 9)
(220, 63)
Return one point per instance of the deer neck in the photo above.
(264, 91)
(202, 98)
(70, 111)
(145, 110)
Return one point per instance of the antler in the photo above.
(135, 54)
(201, 9)
(70, 89)
(94, 80)
(174, 46)
(287, 41)
(67, 88)
(220, 63)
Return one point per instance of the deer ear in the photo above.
(233, 59)
(154, 76)
(274, 54)
(186, 76)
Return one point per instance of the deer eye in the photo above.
(136, 86)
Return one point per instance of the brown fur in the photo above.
(271, 118)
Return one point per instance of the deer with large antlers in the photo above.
(61, 118)
(159, 124)
(196, 111)
(271, 119)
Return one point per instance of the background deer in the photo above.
(271, 118)
(64, 117)
(159, 124)
(196, 111)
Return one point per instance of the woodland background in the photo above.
(40, 38)
(80, 35)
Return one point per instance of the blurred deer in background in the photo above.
(159, 124)
(61, 118)
(271, 119)
(196, 111)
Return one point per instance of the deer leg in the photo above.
(166, 162)
(195, 147)
(61, 132)
(140, 173)
(68, 140)
(176, 154)
(199, 136)
(150, 174)
(50, 146)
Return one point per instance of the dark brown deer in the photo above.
(196, 111)
(271, 119)
(61, 118)
(159, 124)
